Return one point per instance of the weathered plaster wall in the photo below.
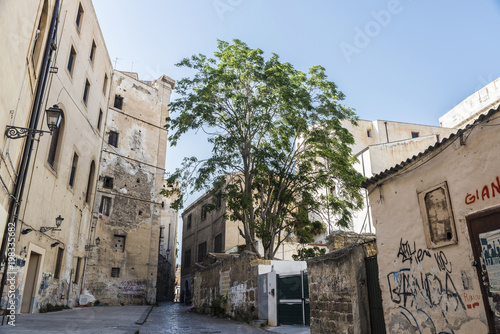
(396, 131)
(137, 166)
(436, 290)
(48, 192)
(338, 293)
(234, 277)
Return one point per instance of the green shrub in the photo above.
(217, 306)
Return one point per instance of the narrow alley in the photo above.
(167, 318)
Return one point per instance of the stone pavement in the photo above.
(169, 318)
(88, 320)
(166, 318)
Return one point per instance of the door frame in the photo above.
(477, 258)
(38, 278)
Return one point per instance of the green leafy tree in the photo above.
(277, 140)
(305, 253)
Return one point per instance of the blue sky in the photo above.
(399, 60)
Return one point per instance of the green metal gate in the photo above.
(293, 299)
(374, 296)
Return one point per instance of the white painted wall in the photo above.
(400, 227)
(469, 109)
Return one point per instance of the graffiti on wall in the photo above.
(487, 191)
(45, 283)
(132, 286)
(423, 296)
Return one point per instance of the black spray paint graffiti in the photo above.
(405, 287)
(422, 294)
(442, 262)
(409, 254)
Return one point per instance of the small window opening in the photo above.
(118, 102)
(115, 272)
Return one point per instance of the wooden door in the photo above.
(30, 284)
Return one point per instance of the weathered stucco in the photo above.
(48, 192)
(435, 290)
(136, 165)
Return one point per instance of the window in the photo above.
(99, 120)
(189, 219)
(219, 201)
(86, 92)
(202, 251)
(105, 207)
(437, 215)
(369, 133)
(79, 17)
(187, 258)
(115, 272)
(218, 243)
(113, 138)
(37, 44)
(73, 170)
(204, 210)
(119, 242)
(105, 84)
(415, 134)
(107, 182)
(90, 182)
(71, 60)
(54, 141)
(118, 102)
(77, 270)
(92, 52)
(57, 271)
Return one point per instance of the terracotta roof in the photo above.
(393, 170)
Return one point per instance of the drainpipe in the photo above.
(386, 132)
(15, 201)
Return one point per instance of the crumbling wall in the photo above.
(338, 293)
(234, 278)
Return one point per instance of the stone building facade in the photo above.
(68, 169)
(204, 232)
(167, 252)
(62, 171)
(436, 216)
(128, 206)
(338, 291)
(379, 145)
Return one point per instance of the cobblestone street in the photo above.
(166, 318)
(173, 318)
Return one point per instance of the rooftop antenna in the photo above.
(116, 60)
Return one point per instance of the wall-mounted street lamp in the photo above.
(59, 221)
(54, 115)
(97, 242)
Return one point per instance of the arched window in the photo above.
(90, 182)
(54, 143)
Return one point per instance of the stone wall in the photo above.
(234, 277)
(338, 293)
